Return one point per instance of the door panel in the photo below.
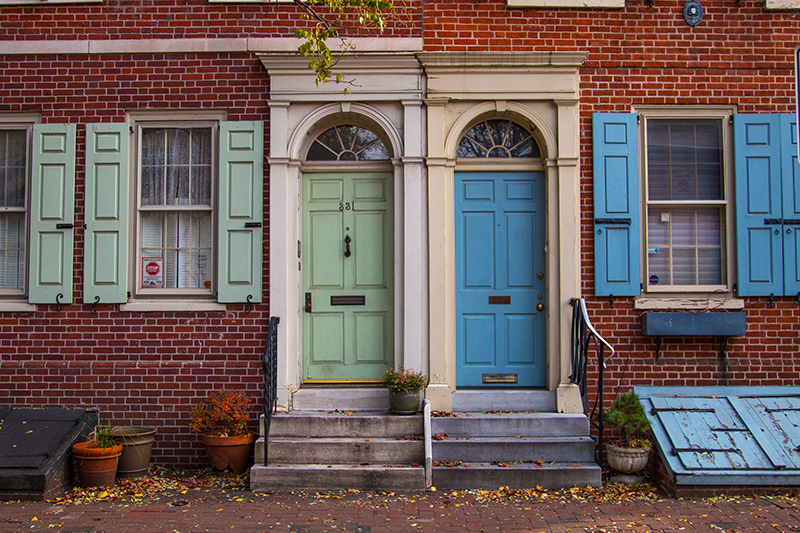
(500, 267)
(348, 265)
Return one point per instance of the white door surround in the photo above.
(541, 91)
(387, 97)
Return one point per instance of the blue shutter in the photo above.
(52, 213)
(759, 242)
(241, 207)
(105, 245)
(790, 177)
(616, 205)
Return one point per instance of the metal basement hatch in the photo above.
(36, 450)
(748, 436)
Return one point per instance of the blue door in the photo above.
(500, 279)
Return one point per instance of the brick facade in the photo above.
(149, 368)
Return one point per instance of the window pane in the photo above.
(153, 186)
(12, 168)
(201, 185)
(331, 139)
(347, 134)
(363, 139)
(684, 266)
(178, 185)
(659, 267)
(319, 152)
(468, 148)
(527, 148)
(658, 227)
(498, 129)
(347, 142)
(178, 146)
(683, 229)
(153, 151)
(201, 146)
(684, 159)
(184, 241)
(12, 251)
(709, 266)
(374, 152)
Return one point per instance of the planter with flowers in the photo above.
(222, 421)
(630, 455)
(405, 388)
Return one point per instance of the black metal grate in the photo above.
(269, 364)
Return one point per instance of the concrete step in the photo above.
(499, 400)
(365, 424)
(342, 399)
(488, 449)
(336, 477)
(341, 450)
(512, 424)
(517, 476)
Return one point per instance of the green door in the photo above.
(348, 286)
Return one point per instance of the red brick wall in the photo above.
(137, 368)
(165, 19)
(741, 56)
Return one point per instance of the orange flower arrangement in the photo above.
(224, 413)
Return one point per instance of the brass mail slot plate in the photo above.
(499, 300)
(349, 300)
(500, 378)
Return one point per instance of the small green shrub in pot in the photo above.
(627, 414)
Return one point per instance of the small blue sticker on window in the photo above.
(653, 280)
(653, 250)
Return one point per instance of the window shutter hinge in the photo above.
(641, 286)
(735, 288)
(130, 129)
(638, 119)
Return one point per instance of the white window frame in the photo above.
(690, 296)
(188, 299)
(15, 300)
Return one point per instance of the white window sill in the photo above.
(781, 4)
(189, 306)
(16, 307)
(690, 303)
(567, 3)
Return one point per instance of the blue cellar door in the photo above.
(500, 279)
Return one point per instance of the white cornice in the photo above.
(171, 46)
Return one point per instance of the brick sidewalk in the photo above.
(218, 510)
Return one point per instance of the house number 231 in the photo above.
(345, 206)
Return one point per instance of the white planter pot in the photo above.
(627, 460)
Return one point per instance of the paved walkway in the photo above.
(230, 510)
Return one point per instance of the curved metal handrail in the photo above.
(583, 333)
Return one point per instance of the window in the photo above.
(347, 143)
(187, 211)
(497, 138)
(686, 206)
(681, 189)
(175, 212)
(13, 234)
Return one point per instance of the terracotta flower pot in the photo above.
(137, 444)
(627, 460)
(233, 452)
(404, 403)
(97, 467)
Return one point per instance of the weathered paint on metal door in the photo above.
(500, 279)
(348, 243)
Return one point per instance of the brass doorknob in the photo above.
(540, 307)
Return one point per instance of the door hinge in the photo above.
(299, 249)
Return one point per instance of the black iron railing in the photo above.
(270, 366)
(583, 336)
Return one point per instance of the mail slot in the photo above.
(499, 300)
(349, 300)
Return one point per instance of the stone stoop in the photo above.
(336, 450)
(514, 449)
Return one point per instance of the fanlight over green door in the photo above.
(348, 263)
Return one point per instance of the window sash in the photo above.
(685, 245)
(174, 213)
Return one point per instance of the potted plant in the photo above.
(630, 455)
(97, 458)
(222, 421)
(404, 389)
(137, 445)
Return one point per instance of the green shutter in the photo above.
(105, 248)
(52, 213)
(241, 196)
(616, 205)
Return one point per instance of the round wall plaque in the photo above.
(692, 12)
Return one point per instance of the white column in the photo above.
(283, 301)
(568, 398)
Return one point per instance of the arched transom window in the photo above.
(348, 142)
(497, 138)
